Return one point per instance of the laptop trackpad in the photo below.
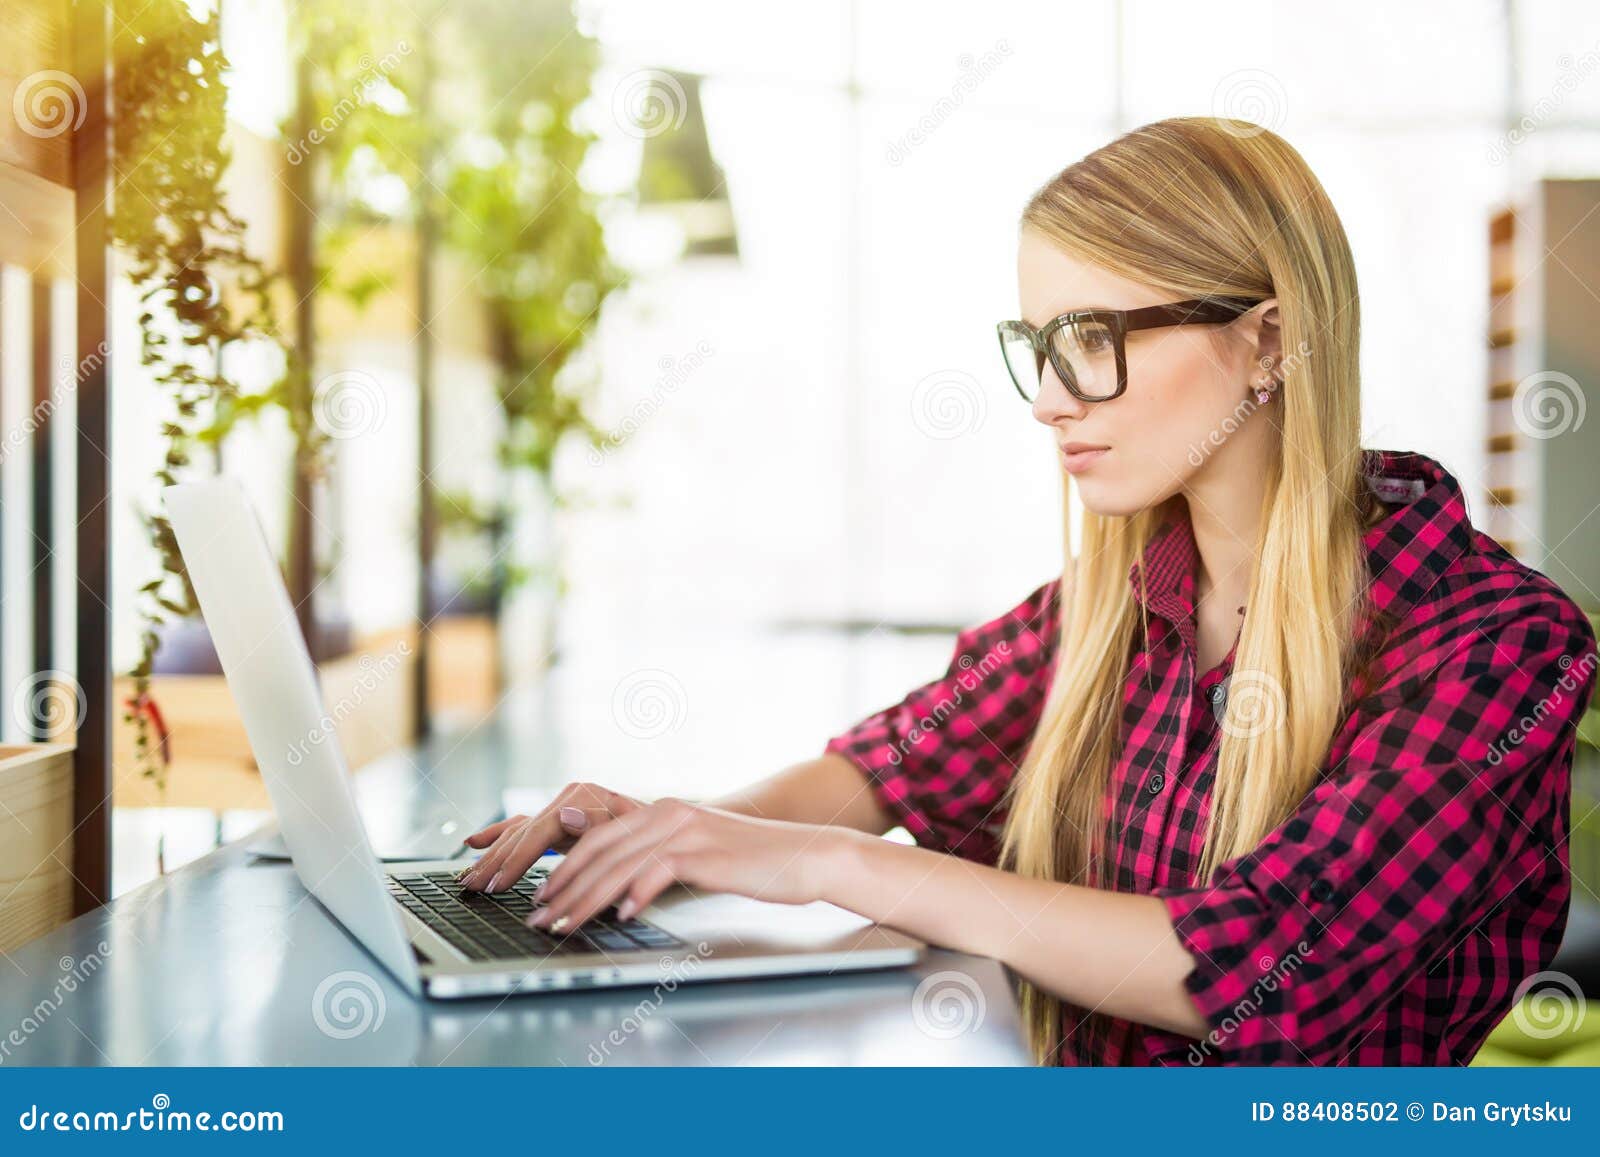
(739, 923)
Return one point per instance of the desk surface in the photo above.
(228, 961)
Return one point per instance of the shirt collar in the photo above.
(1407, 550)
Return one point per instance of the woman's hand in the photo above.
(514, 844)
(632, 859)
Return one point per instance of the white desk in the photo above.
(221, 963)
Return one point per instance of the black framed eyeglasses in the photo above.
(1087, 348)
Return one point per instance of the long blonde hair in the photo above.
(1236, 213)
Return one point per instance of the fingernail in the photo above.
(574, 819)
(494, 884)
(561, 924)
(625, 909)
(537, 920)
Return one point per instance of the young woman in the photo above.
(1277, 770)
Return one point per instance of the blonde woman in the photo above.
(1277, 770)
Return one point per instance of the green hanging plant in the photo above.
(360, 58)
(202, 292)
(514, 208)
(405, 90)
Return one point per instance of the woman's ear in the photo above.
(1266, 341)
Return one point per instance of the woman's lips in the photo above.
(1077, 457)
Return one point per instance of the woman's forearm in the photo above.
(830, 791)
(1108, 951)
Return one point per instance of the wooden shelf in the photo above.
(35, 840)
(1502, 226)
(1544, 319)
(1502, 519)
(36, 226)
(35, 49)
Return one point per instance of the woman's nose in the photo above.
(1054, 402)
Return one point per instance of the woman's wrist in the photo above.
(840, 857)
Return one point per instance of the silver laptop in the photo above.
(435, 939)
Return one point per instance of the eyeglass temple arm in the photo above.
(1204, 311)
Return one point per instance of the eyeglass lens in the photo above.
(1086, 349)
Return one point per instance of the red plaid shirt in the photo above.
(1392, 917)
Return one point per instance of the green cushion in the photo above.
(1491, 1057)
(1589, 724)
(1511, 1038)
(1589, 727)
(1587, 1055)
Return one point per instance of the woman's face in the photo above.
(1189, 410)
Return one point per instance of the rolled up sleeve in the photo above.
(941, 758)
(1453, 800)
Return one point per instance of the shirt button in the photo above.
(1157, 781)
(1216, 693)
(1322, 890)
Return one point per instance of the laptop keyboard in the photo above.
(487, 927)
